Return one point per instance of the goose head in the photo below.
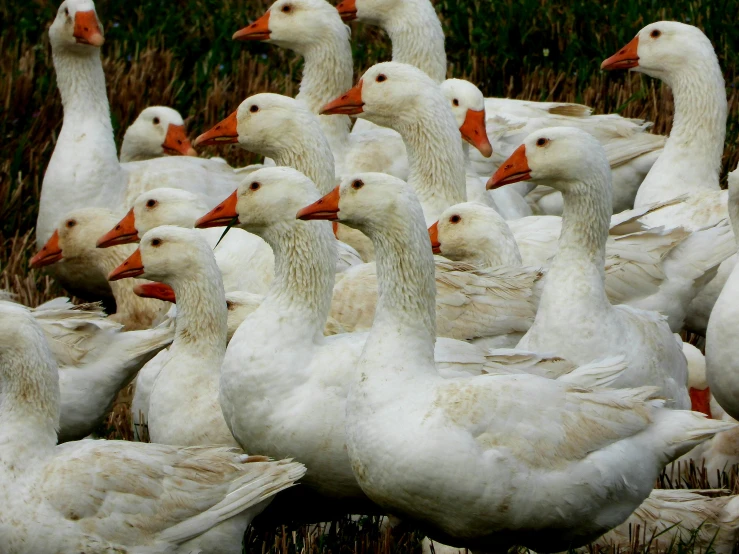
(77, 27)
(661, 49)
(387, 92)
(154, 208)
(560, 157)
(468, 107)
(295, 24)
(75, 237)
(472, 232)
(157, 131)
(366, 201)
(267, 197)
(374, 12)
(164, 254)
(264, 123)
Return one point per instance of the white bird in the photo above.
(575, 317)
(107, 496)
(682, 57)
(84, 170)
(246, 261)
(495, 460)
(158, 131)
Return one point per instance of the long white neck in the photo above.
(577, 274)
(29, 404)
(405, 317)
(305, 265)
(309, 153)
(84, 168)
(418, 38)
(691, 160)
(498, 248)
(132, 151)
(327, 74)
(201, 323)
(435, 157)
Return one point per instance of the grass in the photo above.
(180, 54)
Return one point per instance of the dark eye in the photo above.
(255, 186)
(151, 203)
(455, 102)
(71, 223)
(381, 78)
(656, 33)
(156, 121)
(287, 8)
(358, 184)
(156, 242)
(455, 219)
(230, 305)
(66, 12)
(542, 141)
(254, 108)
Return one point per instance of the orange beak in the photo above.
(123, 233)
(87, 29)
(223, 133)
(222, 215)
(350, 103)
(626, 58)
(259, 30)
(325, 208)
(132, 267)
(473, 131)
(160, 291)
(347, 10)
(49, 254)
(514, 169)
(434, 236)
(701, 400)
(176, 142)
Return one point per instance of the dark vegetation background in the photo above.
(180, 53)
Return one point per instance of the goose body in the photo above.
(401, 416)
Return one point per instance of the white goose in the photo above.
(575, 317)
(246, 261)
(158, 131)
(279, 372)
(285, 130)
(73, 242)
(84, 169)
(107, 496)
(652, 269)
(682, 57)
(418, 39)
(314, 30)
(519, 442)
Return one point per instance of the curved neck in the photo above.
(29, 402)
(310, 154)
(691, 160)
(499, 249)
(328, 73)
(201, 323)
(435, 158)
(305, 265)
(405, 317)
(579, 264)
(131, 153)
(81, 83)
(418, 38)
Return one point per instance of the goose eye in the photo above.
(358, 184)
(156, 121)
(455, 102)
(156, 242)
(380, 78)
(71, 223)
(656, 33)
(455, 219)
(66, 12)
(255, 186)
(151, 203)
(542, 142)
(287, 8)
(254, 108)
(230, 305)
